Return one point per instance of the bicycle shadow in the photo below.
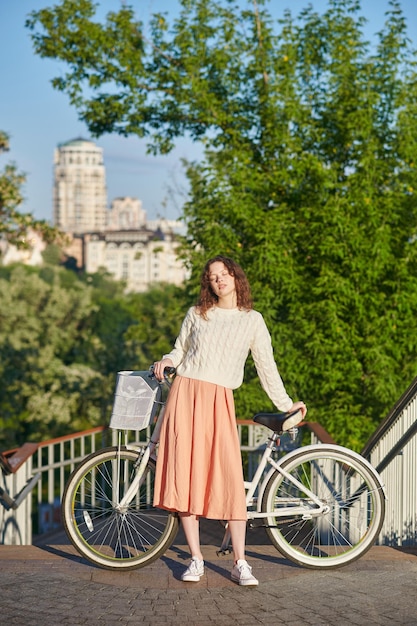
(69, 556)
(279, 560)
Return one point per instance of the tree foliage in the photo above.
(15, 225)
(63, 338)
(48, 383)
(308, 177)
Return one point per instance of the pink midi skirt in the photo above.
(199, 465)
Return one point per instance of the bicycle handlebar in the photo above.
(168, 372)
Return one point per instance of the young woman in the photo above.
(199, 467)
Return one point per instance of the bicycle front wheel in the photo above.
(112, 538)
(352, 507)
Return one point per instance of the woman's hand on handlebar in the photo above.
(159, 366)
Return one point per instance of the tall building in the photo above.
(80, 194)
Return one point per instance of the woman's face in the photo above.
(221, 282)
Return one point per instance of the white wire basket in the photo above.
(135, 401)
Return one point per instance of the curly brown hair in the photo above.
(208, 298)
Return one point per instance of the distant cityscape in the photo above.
(119, 239)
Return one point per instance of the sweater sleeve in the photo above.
(182, 342)
(266, 367)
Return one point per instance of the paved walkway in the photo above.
(49, 584)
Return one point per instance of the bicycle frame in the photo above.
(256, 481)
(249, 486)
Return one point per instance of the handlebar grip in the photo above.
(168, 371)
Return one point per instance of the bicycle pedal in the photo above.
(254, 525)
(223, 552)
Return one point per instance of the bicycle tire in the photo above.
(103, 535)
(355, 511)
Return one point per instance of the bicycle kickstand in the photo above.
(225, 548)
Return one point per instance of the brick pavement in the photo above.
(49, 584)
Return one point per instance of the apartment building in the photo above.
(80, 194)
(140, 258)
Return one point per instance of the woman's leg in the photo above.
(241, 572)
(238, 534)
(191, 526)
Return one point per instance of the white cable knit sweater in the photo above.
(215, 350)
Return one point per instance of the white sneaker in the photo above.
(242, 574)
(194, 571)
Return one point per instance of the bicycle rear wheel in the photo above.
(354, 510)
(105, 536)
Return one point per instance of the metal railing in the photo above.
(392, 450)
(55, 460)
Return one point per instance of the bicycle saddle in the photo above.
(278, 422)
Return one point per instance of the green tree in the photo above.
(14, 225)
(43, 391)
(61, 345)
(308, 177)
(63, 338)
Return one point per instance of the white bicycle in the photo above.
(322, 505)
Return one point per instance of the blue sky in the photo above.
(37, 118)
